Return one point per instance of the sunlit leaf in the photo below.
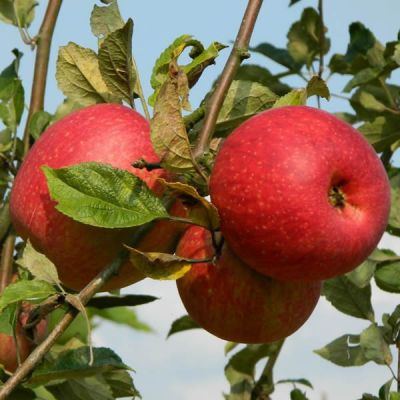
(296, 97)
(374, 345)
(181, 324)
(18, 12)
(33, 290)
(317, 87)
(78, 75)
(104, 20)
(100, 195)
(115, 62)
(39, 265)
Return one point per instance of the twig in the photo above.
(6, 264)
(238, 53)
(140, 91)
(321, 37)
(41, 65)
(36, 356)
(266, 379)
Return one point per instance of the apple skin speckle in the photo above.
(279, 218)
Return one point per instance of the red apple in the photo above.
(232, 301)
(107, 133)
(301, 194)
(8, 349)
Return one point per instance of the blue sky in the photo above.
(189, 366)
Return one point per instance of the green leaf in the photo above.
(100, 195)
(122, 316)
(317, 87)
(74, 363)
(293, 2)
(12, 70)
(394, 217)
(245, 360)
(121, 384)
(39, 265)
(361, 40)
(207, 57)
(258, 74)
(374, 346)
(39, 122)
(362, 77)
(8, 317)
(102, 302)
(181, 324)
(297, 394)
(240, 370)
(229, 346)
(161, 266)
(33, 290)
(362, 275)
(344, 351)
(65, 108)
(381, 132)
(115, 63)
(387, 277)
(104, 20)
(296, 97)
(78, 75)
(92, 388)
(384, 391)
(348, 298)
(280, 56)
(78, 329)
(303, 37)
(168, 132)
(161, 67)
(300, 381)
(17, 12)
(243, 100)
(21, 393)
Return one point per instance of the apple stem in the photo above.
(6, 263)
(143, 164)
(238, 53)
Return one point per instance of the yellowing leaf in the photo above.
(296, 97)
(317, 86)
(201, 211)
(168, 132)
(78, 75)
(159, 266)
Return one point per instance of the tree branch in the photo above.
(43, 40)
(238, 53)
(37, 99)
(6, 263)
(84, 296)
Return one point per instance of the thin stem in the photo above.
(321, 37)
(266, 379)
(41, 65)
(140, 90)
(238, 53)
(398, 366)
(40, 351)
(6, 263)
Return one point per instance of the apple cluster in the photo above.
(301, 196)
